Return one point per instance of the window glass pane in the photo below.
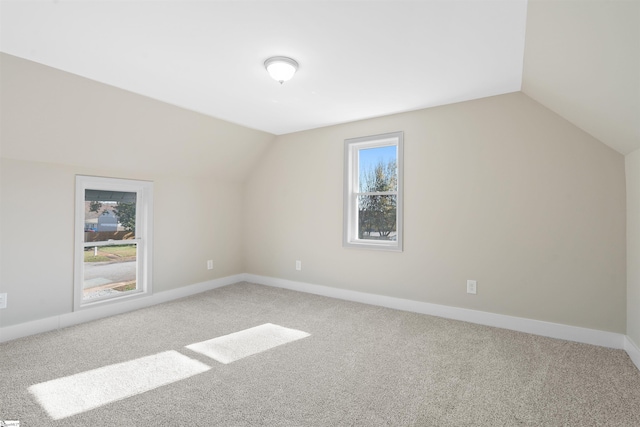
(109, 215)
(377, 217)
(109, 270)
(110, 267)
(378, 169)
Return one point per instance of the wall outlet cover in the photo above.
(471, 287)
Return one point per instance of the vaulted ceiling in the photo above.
(582, 60)
(358, 59)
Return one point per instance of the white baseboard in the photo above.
(537, 327)
(632, 350)
(8, 333)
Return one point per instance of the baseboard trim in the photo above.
(632, 350)
(537, 327)
(21, 330)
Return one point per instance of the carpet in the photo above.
(362, 365)
(238, 345)
(71, 395)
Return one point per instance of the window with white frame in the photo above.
(373, 192)
(113, 232)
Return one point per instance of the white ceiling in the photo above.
(358, 59)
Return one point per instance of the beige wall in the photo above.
(633, 246)
(55, 125)
(500, 190)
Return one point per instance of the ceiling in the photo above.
(582, 60)
(358, 59)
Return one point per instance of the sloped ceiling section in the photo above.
(358, 59)
(582, 60)
(53, 116)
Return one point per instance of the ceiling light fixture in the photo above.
(281, 68)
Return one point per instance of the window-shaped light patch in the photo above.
(74, 394)
(238, 345)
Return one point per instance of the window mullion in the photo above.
(378, 193)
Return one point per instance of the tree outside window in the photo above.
(377, 212)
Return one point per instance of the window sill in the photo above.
(364, 244)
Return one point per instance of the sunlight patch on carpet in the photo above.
(67, 396)
(232, 347)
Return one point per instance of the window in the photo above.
(373, 192)
(113, 240)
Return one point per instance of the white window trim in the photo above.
(351, 184)
(144, 236)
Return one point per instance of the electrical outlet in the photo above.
(298, 265)
(3, 300)
(210, 264)
(471, 286)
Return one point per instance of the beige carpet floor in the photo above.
(361, 365)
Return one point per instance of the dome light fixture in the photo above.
(281, 68)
